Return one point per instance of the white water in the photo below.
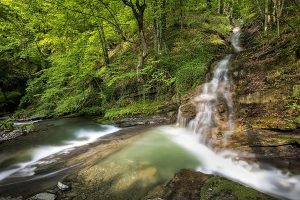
(226, 163)
(197, 137)
(37, 154)
(25, 122)
(206, 103)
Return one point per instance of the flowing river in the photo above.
(159, 153)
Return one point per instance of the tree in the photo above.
(138, 8)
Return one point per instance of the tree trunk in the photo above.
(144, 49)
(164, 27)
(138, 10)
(103, 43)
(278, 28)
(156, 30)
(220, 7)
(266, 15)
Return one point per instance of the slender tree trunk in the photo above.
(274, 11)
(279, 5)
(138, 10)
(164, 27)
(220, 7)
(278, 27)
(144, 47)
(103, 43)
(266, 15)
(156, 30)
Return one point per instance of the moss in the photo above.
(220, 188)
(272, 122)
(296, 91)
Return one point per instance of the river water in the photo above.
(157, 155)
(154, 153)
(20, 157)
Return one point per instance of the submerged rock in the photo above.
(43, 196)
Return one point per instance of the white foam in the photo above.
(25, 123)
(225, 163)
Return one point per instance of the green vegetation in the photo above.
(6, 124)
(84, 57)
(268, 68)
(220, 188)
(144, 108)
(96, 57)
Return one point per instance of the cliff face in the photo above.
(266, 79)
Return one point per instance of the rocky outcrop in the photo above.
(190, 185)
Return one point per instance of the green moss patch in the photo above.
(217, 188)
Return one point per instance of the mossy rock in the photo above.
(217, 188)
(296, 91)
(272, 122)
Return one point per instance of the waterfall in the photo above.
(207, 101)
(235, 40)
(225, 162)
(181, 120)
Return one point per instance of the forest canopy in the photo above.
(98, 56)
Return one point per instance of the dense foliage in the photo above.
(99, 56)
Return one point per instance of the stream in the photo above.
(156, 155)
(19, 158)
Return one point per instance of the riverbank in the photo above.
(48, 174)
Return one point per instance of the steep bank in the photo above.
(266, 79)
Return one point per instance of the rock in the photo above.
(138, 121)
(188, 110)
(190, 185)
(43, 196)
(62, 186)
(10, 135)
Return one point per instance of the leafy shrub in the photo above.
(6, 124)
(189, 76)
(138, 108)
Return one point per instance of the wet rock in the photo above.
(190, 185)
(139, 121)
(188, 110)
(4, 136)
(43, 196)
(62, 186)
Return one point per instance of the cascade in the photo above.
(207, 101)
